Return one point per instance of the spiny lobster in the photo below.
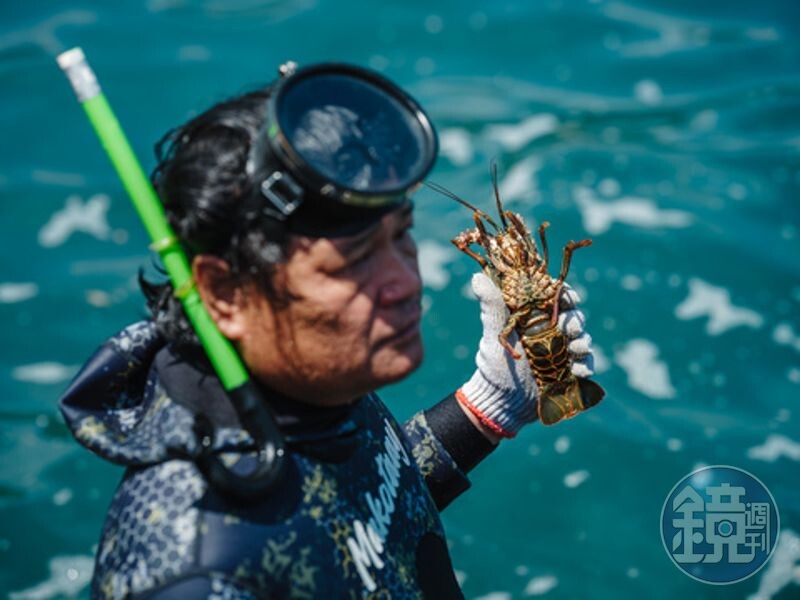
(513, 262)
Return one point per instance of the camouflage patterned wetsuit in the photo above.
(356, 516)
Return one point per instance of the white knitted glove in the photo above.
(502, 392)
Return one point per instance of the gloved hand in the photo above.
(502, 392)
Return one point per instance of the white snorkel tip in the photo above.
(81, 77)
(71, 58)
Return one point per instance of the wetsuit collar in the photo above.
(300, 423)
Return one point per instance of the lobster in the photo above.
(514, 263)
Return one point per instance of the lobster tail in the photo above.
(591, 392)
(564, 400)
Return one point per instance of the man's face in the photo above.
(351, 323)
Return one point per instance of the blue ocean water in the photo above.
(668, 131)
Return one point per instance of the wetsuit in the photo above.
(357, 514)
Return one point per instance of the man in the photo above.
(321, 298)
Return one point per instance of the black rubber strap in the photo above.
(459, 436)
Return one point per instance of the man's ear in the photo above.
(223, 297)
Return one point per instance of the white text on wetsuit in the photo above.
(366, 545)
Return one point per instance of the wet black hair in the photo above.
(202, 181)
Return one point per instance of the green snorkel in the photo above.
(250, 406)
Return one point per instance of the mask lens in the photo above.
(354, 133)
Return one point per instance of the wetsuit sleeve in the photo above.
(446, 445)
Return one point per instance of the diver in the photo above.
(293, 203)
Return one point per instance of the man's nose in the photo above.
(401, 279)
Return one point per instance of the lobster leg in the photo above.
(568, 250)
(463, 241)
(510, 325)
(556, 302)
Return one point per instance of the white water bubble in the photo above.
(460, 352)
(737, 191)
(609, 187)
(62, 496)
(433, 24)
(576, 478)
(705, 120)
(17, 292)
(631, 282)
(539, 586)
(783, 334)
(43, 372)
(648, 92)
(561, 444)
(674, 445)
(98, 298)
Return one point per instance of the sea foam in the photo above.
(433, 259)
(775, 447)
(17, 292)
(68, 576)
(599, 216)
(715, 302)
(646, 373)
(88, 217)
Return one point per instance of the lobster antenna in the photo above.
(445, 192)
(493, 168)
